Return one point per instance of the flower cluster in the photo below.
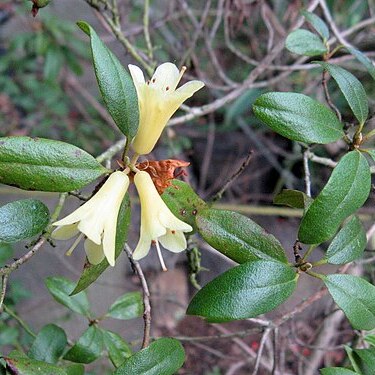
(96, 220)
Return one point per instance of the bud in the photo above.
(37, 4)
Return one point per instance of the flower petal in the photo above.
(173, 241)
(137, 75)
(93, 227)
(143, 247)
(65, 232)
(182, 93)
(109, 240)
(94, 252)
(172, 222)
(75, 216)
(166, 75)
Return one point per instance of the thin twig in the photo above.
(146, 297)
(235, 175)
(4, 281)
(9, 268)
(260, 350)
(19, 321)
(327, 95)
(307, 172)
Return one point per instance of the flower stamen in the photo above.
(75, 244)
(182, 72)
(161, 260)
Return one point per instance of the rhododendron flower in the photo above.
(97, 220)
(158, 224)
(158, 100)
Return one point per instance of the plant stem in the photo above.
(21, 322)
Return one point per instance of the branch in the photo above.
(146, 297)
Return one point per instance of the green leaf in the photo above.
(298, 117)
(22, 219)
(364, 360)
(184, 203)
(346, 191)
(163, 357)
(355, 297)
(60, 288)
(245, 291)
(348, 244)
(49, 345)
(88, 348)
(352, 89)
(115, 84)
(337, 371)
(304, 42)
(6, 252)
(293, 198)
(128, 306)
(27, 366)
(46, 165)
(90, 271)
(238, 237)
(364, 60)
(75, 369)
(349, 352)
(317, 23)
(118, 349)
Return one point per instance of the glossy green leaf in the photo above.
(90, 271)
(47, 165)
(298, 117)
(363, 360)
(293, 198)
(245, 291)
(184, 203)
(337, 371)
(49, 344)
(88, 347)
(352, 89)
(345, 192)
(349, 243)
(317, 23)
(355, 297)
(60, 288)
(6, 252)
(115, 84)
(22, 219)
(364, 60)
(162, 357)
(304, 42)
(75, 369)
(238, 237)
(128, 306)
(118, 349)
(27, 366)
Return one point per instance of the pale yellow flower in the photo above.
(97, 220)
(158, 224)
(158, 100)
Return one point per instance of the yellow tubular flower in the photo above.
(158, 100)
(97, 220)
(157, 221)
